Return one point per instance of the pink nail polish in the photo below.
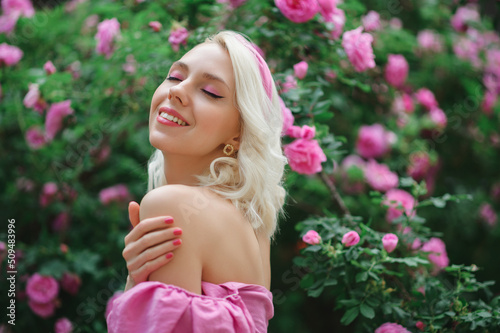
(169, 255)
(169, 220)
(178, 232)
(177, 242)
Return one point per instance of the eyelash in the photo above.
(209, 94)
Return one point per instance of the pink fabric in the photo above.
(153, 306)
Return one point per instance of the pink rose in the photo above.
(489, 100)
(109, 304)
(130, 65)
(373, 141)
(42, 289)
(305, 156)
(287, 117)
(117, 193)
(70, 282)
(155, 25)
(300, 69)
(419, 165)
(49, 193)
(379, 177)
(389, 241)
(236, 3)
(391, 328)
(32, 96)
(54, 118)
(430, 41)
(350, 239)
(425, 97)
(488, 215)
(396, 197)
(438, 117)
(491, 78)
(9, 55)
(107, 32)
(43, 310)
(467, 49)
(395, 23)
(61, 222)
(304, 132)
(63, 325)
(49, 68)
(311, 237)
(8, 22)
(290, 83)
(35, 138)
(177, 37)
(298, 11)
(371, 21)
(403, 104)
(21, 7)
(326, 8)
(420, 325)
(338, 19)
(396, 70)
(438, 256)
(358, 47)
(462, 16)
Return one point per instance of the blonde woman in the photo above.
(214, 186)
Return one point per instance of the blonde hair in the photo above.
(253, 179)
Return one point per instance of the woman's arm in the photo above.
(186, 270)
(144, 257)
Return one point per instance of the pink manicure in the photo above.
(177, 242)
(169, 255)
(178, 232)
(169, 220)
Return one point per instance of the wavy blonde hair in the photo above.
(253, 179)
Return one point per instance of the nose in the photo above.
(178, 93)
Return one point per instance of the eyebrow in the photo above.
(205, 75)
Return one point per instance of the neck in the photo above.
(183, 169)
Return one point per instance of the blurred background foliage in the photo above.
(104, 142)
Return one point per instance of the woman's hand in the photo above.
(148, 245)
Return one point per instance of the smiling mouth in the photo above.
(173, 119)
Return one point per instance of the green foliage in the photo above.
(324, 287)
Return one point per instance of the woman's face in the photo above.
(199, 117)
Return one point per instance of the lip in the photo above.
(171, 112)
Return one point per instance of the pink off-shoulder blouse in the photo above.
(153, 306)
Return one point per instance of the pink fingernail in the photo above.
(177, 242)
(169, 255)
(169, 220)
(178, 232)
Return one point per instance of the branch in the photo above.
(337, 200)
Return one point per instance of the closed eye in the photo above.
(173, 78)
(212, 95)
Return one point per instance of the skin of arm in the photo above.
(185, 270)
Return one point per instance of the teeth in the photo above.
(172, 118)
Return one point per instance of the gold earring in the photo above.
(228, 149)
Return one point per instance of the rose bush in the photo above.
(392, 128)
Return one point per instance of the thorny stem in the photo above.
(337, 200)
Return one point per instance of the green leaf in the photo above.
(362, 276)
(349, 316)
(315, 292)
(367, 311)
(307, 281)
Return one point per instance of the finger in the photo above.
(152, 253)
(133, 213)
(148, 225)
(150, 240)
(142, 274)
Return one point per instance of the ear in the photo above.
(235, 141)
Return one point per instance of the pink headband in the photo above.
(265, 73)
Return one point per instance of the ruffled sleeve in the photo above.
(157, 307)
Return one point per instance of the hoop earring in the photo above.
(228, 150)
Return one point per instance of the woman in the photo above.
(216, 123)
